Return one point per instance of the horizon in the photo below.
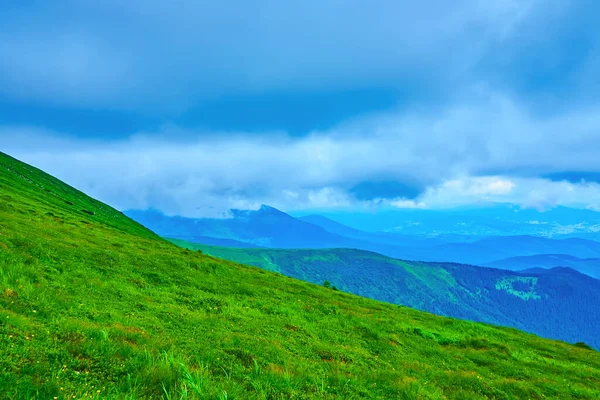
(375, 210)
(477, 223)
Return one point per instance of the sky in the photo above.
(195, 107)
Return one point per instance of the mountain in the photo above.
(333, 226)
(93, 305)
(267, 227)
(537, 302)
(393, 239)
(487, 220)
(463, 249)
(588, 266)
(488, 250)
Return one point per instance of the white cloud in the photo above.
(404, 203)
(500, 186)
(485, 150)
(536, 222)
(527, 192)
(481, 187)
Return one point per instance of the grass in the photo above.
(538, 304)
(92, 305)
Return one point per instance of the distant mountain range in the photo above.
(271, 228)
(485, 220)
(488, 250)
(538, 301)
(266, 227)
(393, 239)
(589, 266)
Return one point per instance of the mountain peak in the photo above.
(263, 211)
(266, 208)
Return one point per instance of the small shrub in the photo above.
(583, 345)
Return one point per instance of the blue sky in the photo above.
(196, 107)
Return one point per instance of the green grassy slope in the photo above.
(94, 306)
(559, 303)
(356, 271)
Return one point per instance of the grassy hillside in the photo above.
(94, 306)
(540, 302)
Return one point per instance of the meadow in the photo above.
(93, 305)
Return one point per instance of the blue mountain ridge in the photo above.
(271, 228)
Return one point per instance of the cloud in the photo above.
(404, 203)
(489, 149)
(575, 176)
(538, 193)
(468, 190)
(109, 69)
(162, 58)
(374, 189)
(200, 107)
